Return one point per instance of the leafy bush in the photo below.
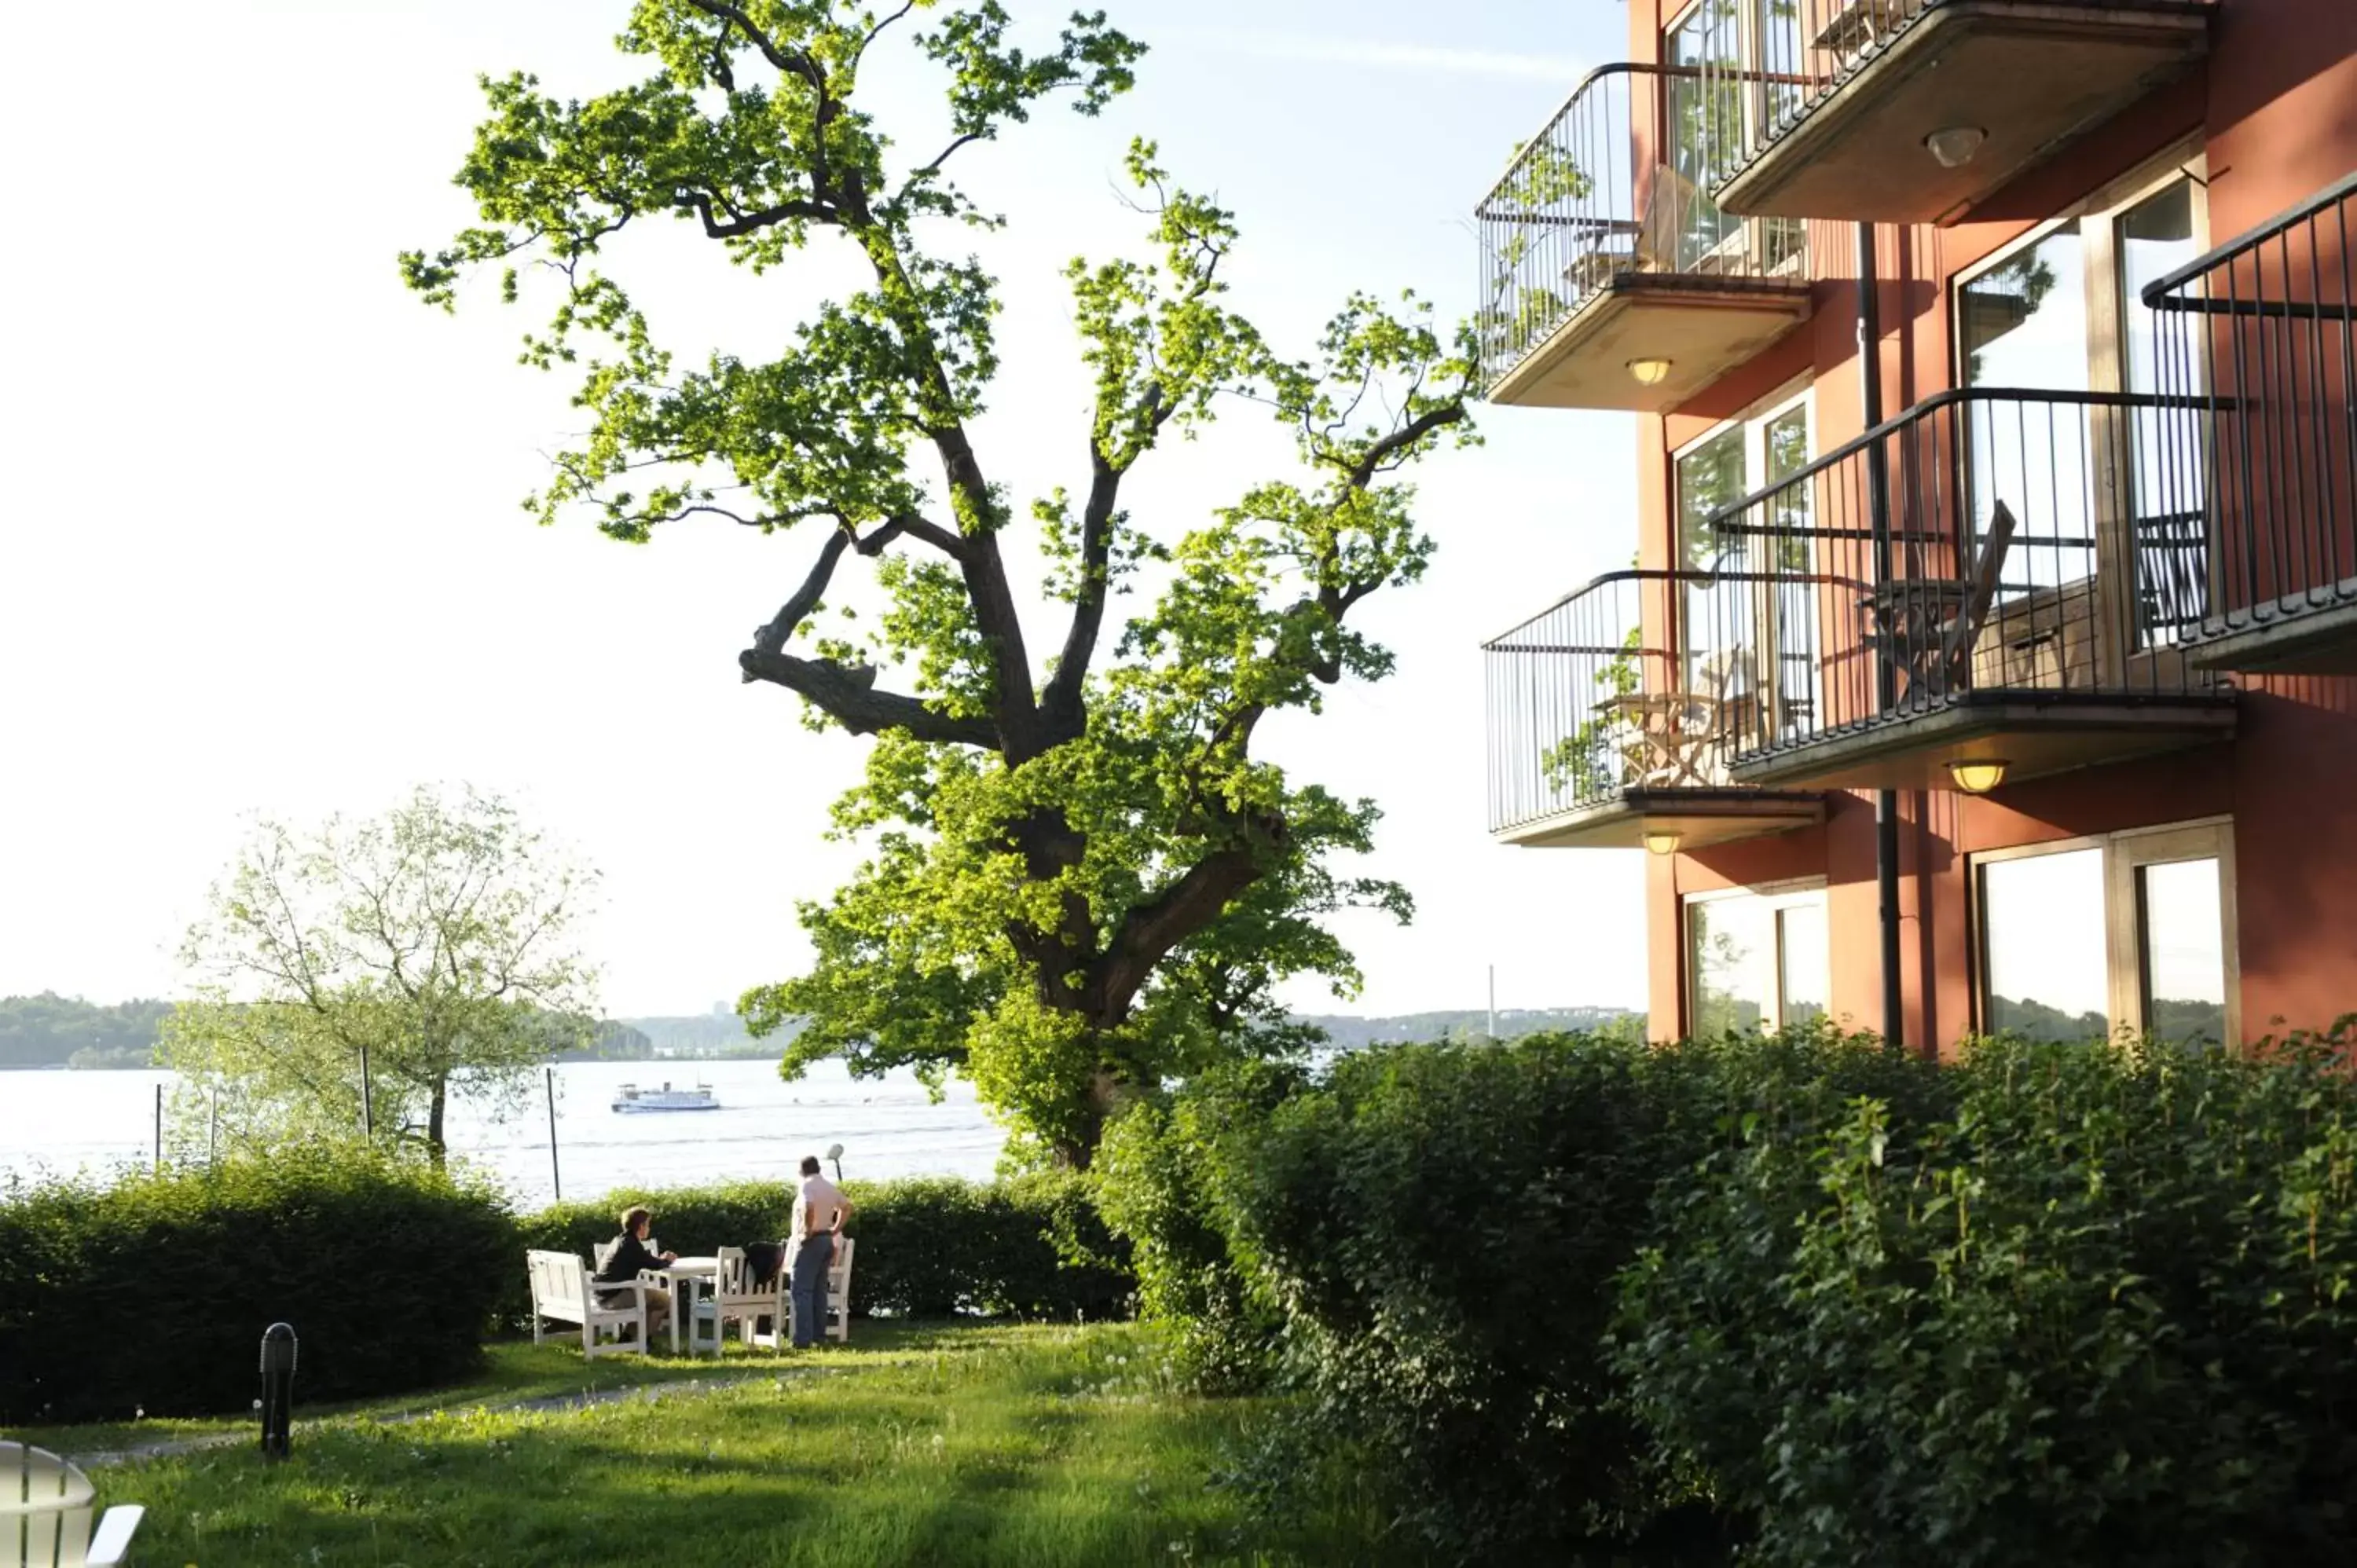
(152, 1294)
(2103, 1315)
(930, 1246)
(1441, 1228)
(1155, 1175)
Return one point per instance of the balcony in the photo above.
(1599, 741)
(1852, 91)
(1610, 280)
(1994, 577)
(2261, 335)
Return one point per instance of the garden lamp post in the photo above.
(835, 1153)
(277, 1402)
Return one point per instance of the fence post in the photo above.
(555, 1181)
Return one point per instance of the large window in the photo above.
(1757, 959)
(1717, 102)
(2134, 931)
(1750, 641)
(2062, 312)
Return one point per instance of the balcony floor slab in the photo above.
(2034, 733)
(1702, 325)
(1699, 817)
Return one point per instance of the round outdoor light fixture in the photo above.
(1954, 146)
(1650, 373)
(1979, 775)
(1661, 842)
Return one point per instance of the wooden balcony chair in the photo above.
(47, 1509)
(1928, 626)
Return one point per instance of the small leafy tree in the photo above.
(1082, 878)
(433, 944)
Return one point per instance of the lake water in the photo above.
(54, 1123)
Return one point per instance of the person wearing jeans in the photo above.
(820, 1213)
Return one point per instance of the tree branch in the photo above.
(1379, 456)
(1151, 928)
(789, 60)
(742, 224)
(847, 697)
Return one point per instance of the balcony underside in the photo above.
(2034, 733)
(1704, 326)
(2319, 641)
(1699, 817)
(2032, 74)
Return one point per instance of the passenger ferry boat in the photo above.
(632, 1099)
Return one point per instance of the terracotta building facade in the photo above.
(2036, 631)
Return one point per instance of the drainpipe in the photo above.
(1877, 488)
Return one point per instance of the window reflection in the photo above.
(2044, 946)
(2155, 237)
(1807, 963)
(2182, 930)
(1757, 962)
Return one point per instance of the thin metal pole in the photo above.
(159, 1126)
(368, 1105)
(1878, 489)
(1493, 1001)
(555, 1181)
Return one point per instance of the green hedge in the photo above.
(152, 1294)
(930, 1246)
(1575, 1299)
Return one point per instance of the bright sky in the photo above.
(262, 549)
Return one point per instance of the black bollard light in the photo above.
(277, 1389)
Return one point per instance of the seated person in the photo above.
(631, 1254)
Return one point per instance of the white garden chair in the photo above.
(46, 1507)
(837, 1326)
(561, 1293)
(735, 1295)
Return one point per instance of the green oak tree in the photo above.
(363, 975)
(1082, 878)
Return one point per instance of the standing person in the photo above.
(631, 1254)
(820, 1211)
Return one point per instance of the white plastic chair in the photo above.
(46, 1506)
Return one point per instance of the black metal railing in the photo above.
(1985, 541)
(1618, 182)
(2262, 335)
(1765, 74)
(1592, 697)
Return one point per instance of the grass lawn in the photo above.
(1019, 1446)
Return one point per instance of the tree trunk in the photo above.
(435, 1114)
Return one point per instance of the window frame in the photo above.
(2126, 853)
(1775, 898)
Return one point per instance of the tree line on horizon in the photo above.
(51, 1030)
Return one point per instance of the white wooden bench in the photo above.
(561, 1293)
(45, 1515)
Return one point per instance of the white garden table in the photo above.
(690, 1280)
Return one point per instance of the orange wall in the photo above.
(2277, 108)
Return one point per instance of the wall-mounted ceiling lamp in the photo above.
(1954, 146)
(1650, 373)
(1661, 842)
(1978, 775)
